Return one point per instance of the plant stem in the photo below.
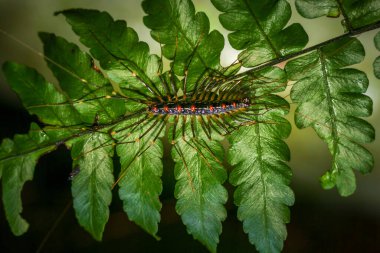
(353, 32)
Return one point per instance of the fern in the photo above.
(356, 13)
(258, 29)
(376, 63)
(334, 95)
(115, 101)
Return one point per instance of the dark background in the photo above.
(321, 220)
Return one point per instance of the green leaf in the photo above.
(262, 195)
(318, 8)
(377, 41)
(362, 12)
(330, 99)
(185, 37)
(90, 92)
(200, 174)
(16, 172)
(40, 97)
(346, 182)
(258, 29)
(91, 188)
(376, 63)
(141, 169)
(125, 59)
(359, 12)
(18, 159)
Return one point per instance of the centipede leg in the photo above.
(212, 126)
(134, 125)
(163, 81)
(199, 83)
(200, 154)
(204, 145)
(153, 125)
(174, 129)
(204, 127)
(144, 148)
(184, 118)
(215, 119)
(192, 125)
(160, 129)
(180, 154)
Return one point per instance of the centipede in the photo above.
(192, 109)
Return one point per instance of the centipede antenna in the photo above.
(98, 130)
(35, 51)
(90, 92)
(68, 71)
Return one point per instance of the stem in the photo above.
(345, 17)
(353, 32)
